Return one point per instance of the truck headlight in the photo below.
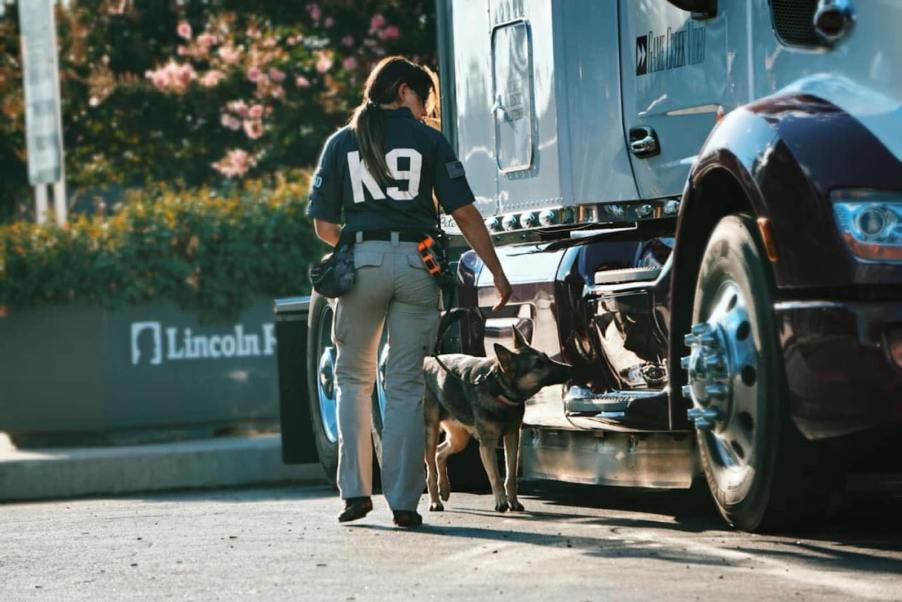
(870, 222)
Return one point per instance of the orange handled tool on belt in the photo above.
(425, 249)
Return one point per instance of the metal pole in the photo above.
(59, 202)
(40, 201)
(43, 115)
(59, 187)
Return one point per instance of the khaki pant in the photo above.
(393, 289)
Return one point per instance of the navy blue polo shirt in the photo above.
(420, 160)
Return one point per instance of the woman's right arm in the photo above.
(469, 220)
(327, 232)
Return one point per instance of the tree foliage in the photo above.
(193, 92)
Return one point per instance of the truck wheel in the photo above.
(321, 384)
(379, 400)
(762, 473)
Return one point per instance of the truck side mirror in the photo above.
(700, 9)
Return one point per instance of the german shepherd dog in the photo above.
(486, 398)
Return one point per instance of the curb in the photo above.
(27, 475)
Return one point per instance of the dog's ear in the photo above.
(519, 339)
(505, 358)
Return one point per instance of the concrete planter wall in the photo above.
(82, 374)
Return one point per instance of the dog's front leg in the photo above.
(490, 462)
(511, 459)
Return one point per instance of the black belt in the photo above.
(403, 235)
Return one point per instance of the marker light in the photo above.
(548, 217)
(512, 222)
(567, 216)
(870, 222)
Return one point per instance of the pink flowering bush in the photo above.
(202, 93)
(227, 46)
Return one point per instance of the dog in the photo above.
(486, 398)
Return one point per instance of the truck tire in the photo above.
(378, 406)
(321, 384)
(763, 474)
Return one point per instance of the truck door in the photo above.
(675, 76)
(475, 123)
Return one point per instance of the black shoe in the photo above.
(355, 507)
(407, 519)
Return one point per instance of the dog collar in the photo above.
(505, 401)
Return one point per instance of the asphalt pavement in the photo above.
(573, 543)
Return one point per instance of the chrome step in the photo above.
(615, 406)
(623, 275)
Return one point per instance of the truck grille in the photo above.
(794, 22)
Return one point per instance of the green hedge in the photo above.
(207, 250)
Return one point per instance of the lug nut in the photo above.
(687, 392)
(703, 425)
(716, 390)
(708, 339)
(685, 361)
(714, 363)
(701, 328)
(703, 418)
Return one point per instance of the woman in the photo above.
(378, 175)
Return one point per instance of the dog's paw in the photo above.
(502, 507)
(444, 491)
(436, 507)
(516, 506)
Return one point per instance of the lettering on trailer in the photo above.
(670, 50)
(152, 344)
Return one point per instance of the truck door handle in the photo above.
(499, 108)
(644, 142)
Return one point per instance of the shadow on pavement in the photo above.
(855, 539)
(606, 547)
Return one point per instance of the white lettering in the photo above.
(174, 353)
(360, 177)
(228, 346)
(190, 350)
(253, 344)
(239, 336)
(147, 343)
(201, 346)
(214, 346)
(269, 338)
(412, 174)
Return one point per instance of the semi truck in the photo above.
(699, 206)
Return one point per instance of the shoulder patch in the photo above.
(455, 169)
(317, 181)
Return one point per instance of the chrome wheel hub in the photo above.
(327, 372)
(325, 383)
(723, 377)
(380, 377)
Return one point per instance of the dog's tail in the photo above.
(450, 317)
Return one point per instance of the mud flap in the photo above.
(298, 445)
